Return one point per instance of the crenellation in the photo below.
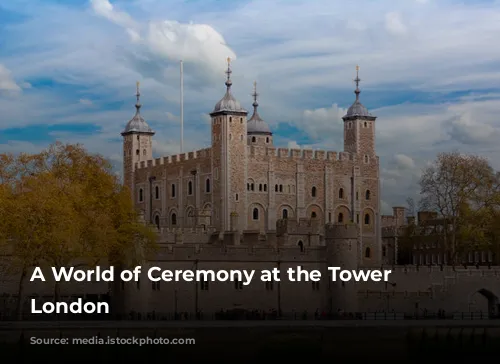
(320, 154)
(296, 153)
(331, 156)
(283, 152)
(308, 154)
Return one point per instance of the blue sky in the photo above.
(430, 71)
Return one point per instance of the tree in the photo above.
(462, 189)
(69, 209)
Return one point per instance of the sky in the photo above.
(429, 69)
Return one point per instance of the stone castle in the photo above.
(245, 204)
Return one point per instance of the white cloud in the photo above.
(394, 23)
(7, 82)
(85, 102)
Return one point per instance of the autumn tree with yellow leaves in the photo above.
(65, 207)
(464, 191)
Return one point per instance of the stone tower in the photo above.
(137, 145)
(359, 128)
(229, 161)
(342, 249)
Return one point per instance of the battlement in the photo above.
(176, 158)
(299, 154)
(341, 231)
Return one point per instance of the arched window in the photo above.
(367, 219)
(173, 190)
(207, 185)
(276, 188)
(366, 124)
(253, 139)
(190, 188)
(137, 152)
(252, 187)
(368, 252)
(313, 215)
(173, 219)
(341, 217)
(367, 195)
(285, 214)
(256, 213)
(301, 245)
(281, 188)
(141, 195)
(267, 140)
(265, 187)
(231, 119)
(341, 193)
(157, 192)
(260, 186)
(157, 222)
(313, 192)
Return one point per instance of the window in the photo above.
(231, 119)
(256, 213)
(241, 120)
(236, 197)
(248, 186)
(329, 217)
(138, 137)
(357, 196)
(285, 214)
(313, 192)
(341, 193)
(157, 222)
(366, 124)
(238, 285)
(173, 219)
(281, 188)
(265, 187)
(253, 139)
(366, 159)
(141, 195)
(260, 186)
(367, 195)
(340, 217)
(301, 246)
(173, 190)
(207, 185)
(190, 188)
(267, 140)
(276, 188)
(252, 187)
(137, 152)
(367, 219)
(313, 215)
(368, 252)
(157, 192)
(357, 218)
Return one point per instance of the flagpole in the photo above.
(182, 106)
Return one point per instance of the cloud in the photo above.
(85, 102)
(430, 73)
(7, 82)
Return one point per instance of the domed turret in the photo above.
(137, 124)
(357, 109)
(255, 125)
(228, 103)
(258, 130)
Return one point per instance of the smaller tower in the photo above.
(359, 127)
(137, 144)
(258, 132)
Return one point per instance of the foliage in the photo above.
(65, 207)
(464, 190)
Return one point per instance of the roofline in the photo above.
(229, 112)
(123, 133)
(259, 133)
(362, 117)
